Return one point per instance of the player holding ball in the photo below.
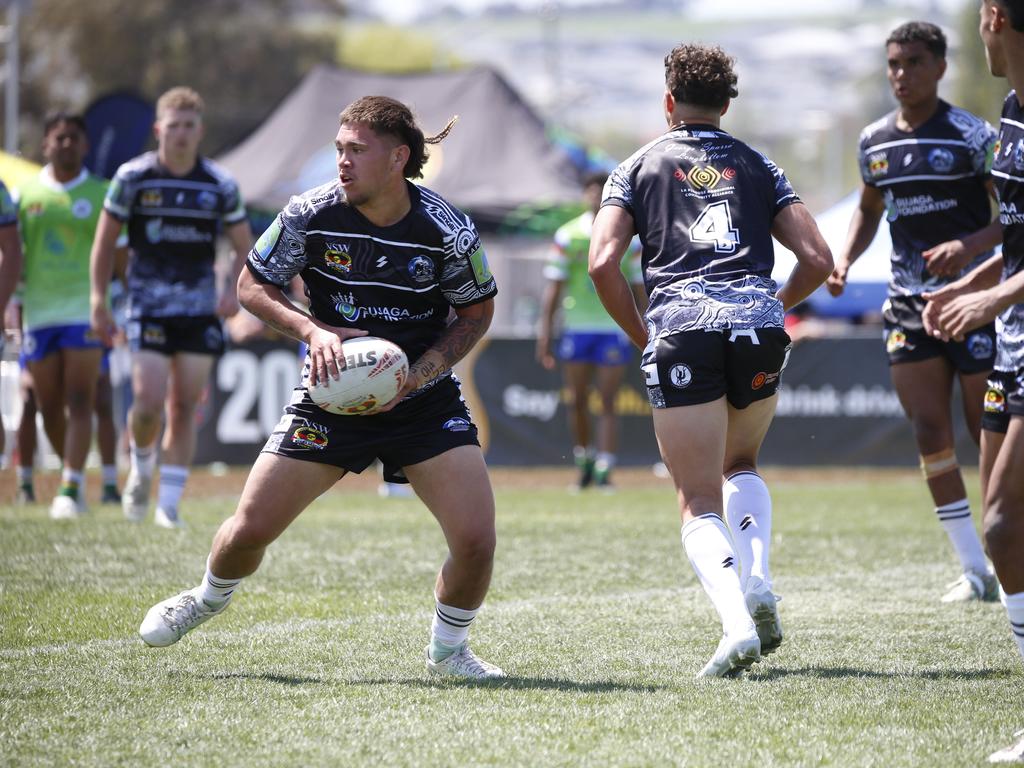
(379, 256)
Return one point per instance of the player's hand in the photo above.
(410, 384)
(102, 323)
(836, 282)
(227, 304)
(963, 313)
(543, 354)
(325, 354)
(947, 259)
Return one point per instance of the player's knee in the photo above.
(475, 547)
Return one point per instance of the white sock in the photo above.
(449, 629)
(172, 485)
(748, 510)
(710, 551)
(71, 477)
(604, 461)
(143, 459)
(215, 591)
(110, 474)
(957, 522)
(1015, 612)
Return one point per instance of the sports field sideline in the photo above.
(593, 612)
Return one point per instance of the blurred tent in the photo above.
(15, 171)
(496, 160)
(869, 276)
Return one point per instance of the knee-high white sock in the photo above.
(143, 459)
(449, 629)
(710, 551)
(748, 510)
(172, 486)
(1015, 613)
(956, 521)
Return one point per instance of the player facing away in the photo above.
(593, 349)
(378, 255)
(174, 203)
(58, 212)
(706, 206)
(925, 166)
(995, 291)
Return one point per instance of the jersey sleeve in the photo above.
(280, 252)
(982, 148)
(783, 190)
(234, 208)
(618, 190)
(466, 277)
(118, 202)
(8, 211)
(557, 266)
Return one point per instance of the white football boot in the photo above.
(168, 518)
(66, 508)
(1011, 754)
(972, 586)
(762, 604)
(170, 620)
(735, 654)
(135, 496)
(465, 664)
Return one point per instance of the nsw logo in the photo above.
(309, 437)
(337, 258)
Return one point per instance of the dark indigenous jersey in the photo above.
(173, 223)
(398, 282)
(1008, 177)
(703, 204)
(933, 180)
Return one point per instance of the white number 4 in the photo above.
(714, 225)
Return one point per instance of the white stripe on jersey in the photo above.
(905, 142)
(1008, 121)
(1002, 175)
(186, 213)
(337, 279)
(178, 184)
(925, 177)
(331, 233)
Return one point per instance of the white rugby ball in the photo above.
(375, 369)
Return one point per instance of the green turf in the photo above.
(594, 612)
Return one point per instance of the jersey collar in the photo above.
(46, 177)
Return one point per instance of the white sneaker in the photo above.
(972, 586)
(734, 654)
(135, 496)
(66, 508)
(763, 606)
(1011, 754)
(168, 518)
(465, 664)
(168, 621)
(395, 491)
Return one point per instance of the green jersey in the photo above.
(57, 223)
(582, 309)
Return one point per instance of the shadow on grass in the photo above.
(267, 677)
(518, 683)
(830, 673)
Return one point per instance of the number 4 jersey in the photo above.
(703, 204)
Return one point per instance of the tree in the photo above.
(243, 56)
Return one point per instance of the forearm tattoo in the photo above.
(454, 344)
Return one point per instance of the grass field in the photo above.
(594, 613)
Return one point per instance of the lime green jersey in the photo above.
(582, 309)
(57, 224)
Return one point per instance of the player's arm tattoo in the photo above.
(454, 344)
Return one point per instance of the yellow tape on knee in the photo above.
(941, 463)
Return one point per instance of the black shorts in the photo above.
(416, 430)
(696, 367)
(907, 342)
(201, 335)
(1004, 397)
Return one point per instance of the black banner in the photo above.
(836, 407)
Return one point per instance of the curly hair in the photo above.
(920, 32)
(392, 118)
(700, 75)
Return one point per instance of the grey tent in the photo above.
(497, 158)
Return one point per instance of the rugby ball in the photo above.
(375, 369)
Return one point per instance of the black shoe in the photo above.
(110, 495)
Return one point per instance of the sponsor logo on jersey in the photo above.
(998, 146)
(680, 376)
(158, 232)
(481, 269)
(154, 335)
(878, 165)
(150, 198)
(206, 200)
(908, 159)
(345, 305)
(81, 208)
(34, 209)
(310, 437)
(337, 258)
(1018, 155)
(268, 240)
(761, 379)
(421, 269)
(704, 177)
(941, 160)
(980, 345)
(995, 399)
(896, 341)
(457, 424)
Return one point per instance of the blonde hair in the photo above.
(179, 97)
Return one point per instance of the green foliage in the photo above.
(384, 48)
(243, 56)
(593, 611)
